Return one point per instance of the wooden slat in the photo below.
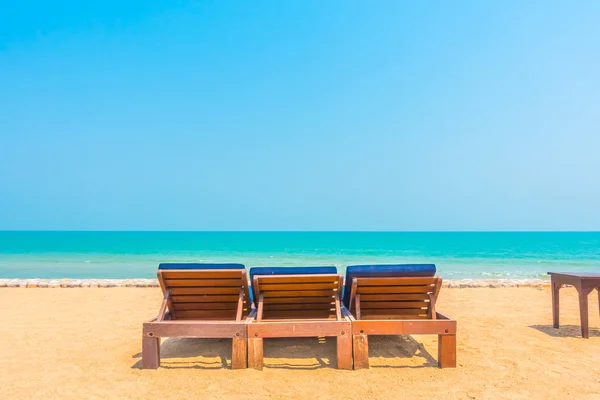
(289, 314)
(387, 311)
(198, 329)
(328, 318)
(393, 281)
(297, 286)
(365, 305)
(300, 300)
(298, 328)
(394, 289)
(404, 326)
(204, 299)
(204, 306)
(203, 274)
(206, 314)
(392, 297)
(295, 279)
(298, 293)
(392, 316)
(203, 282)
(295, 306)
(203, 290)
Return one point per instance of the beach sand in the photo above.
(85, 343)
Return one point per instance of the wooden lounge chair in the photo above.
(200, 301)
(396, 300)
(298, 302)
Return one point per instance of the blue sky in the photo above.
(300, 115)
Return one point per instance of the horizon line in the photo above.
(304, 231)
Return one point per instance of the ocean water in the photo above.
(458, 255)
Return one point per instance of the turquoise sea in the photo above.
(458, 255)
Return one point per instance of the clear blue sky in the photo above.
(300, 115)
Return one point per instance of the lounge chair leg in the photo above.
(150, 352)
(239, 353)
(255, 353)
(344, 351)
(447, 351)
(361, 351)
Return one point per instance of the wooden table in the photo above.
(584, 283)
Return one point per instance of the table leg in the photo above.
(583, 312)
(555, 304)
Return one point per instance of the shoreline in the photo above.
(153, 283)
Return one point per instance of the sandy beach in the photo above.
(86, 342)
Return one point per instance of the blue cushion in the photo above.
(384, 270)
(288, 271)
(199, 266)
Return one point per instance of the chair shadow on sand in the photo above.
(302, 353)
(173, 350)
(564, 330)
(284, 353)
(316, 353)
(305, 350)
(398, 347)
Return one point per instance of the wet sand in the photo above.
(85, 343)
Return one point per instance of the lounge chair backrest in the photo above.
(205, 291)
(394, 298)
(297, 294)
(386, 291)
(384, 270)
